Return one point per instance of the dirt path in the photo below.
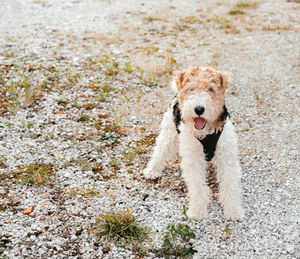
(82, 92)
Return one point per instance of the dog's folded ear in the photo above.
(179, 78)
(224, 79)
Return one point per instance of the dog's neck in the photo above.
(209, 136)
(210, 141)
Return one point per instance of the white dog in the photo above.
(198, 121)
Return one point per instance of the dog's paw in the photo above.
(234, 213)
(196, 214)
(151, 174)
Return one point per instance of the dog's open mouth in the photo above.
(199, 123)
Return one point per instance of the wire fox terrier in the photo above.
(198, 121)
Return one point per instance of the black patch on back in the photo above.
(209, 143)
(177, 116)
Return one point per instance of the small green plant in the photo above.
(115, 164)
(128, 68)
(35, 174)
(120, 227)
(112, 69)
(84, 164)
(140, 147)
(236, 11)
(26, 125)
(227, 230)
(246, 4)
(176, 242)
(85, 193)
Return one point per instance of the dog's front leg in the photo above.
(165, 148)
(229, 174)
(194, 173)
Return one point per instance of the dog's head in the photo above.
(201, 95)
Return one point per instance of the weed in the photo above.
(120, 227)
(98, 169)
(128, 68)
(176, 242)
(84, 164)
(115, 165)
(34, 174)
(227, 230)
(8, 54)
(139, 148)
(190, 20)
(3, 163)
(246, 4)
(226, 25)
(73, 78)
(26, 125)
(87, 106)
(150, 50)
(154, 18)
(181, 27)
(227, 234)
(83, 118)
(151, 81)
(184, 212)
(259, 101)
(105, 126)
(236, 11)
(106, 88)
(85, 193)
(276, 28)
(110, 137)
(62, 102)
(112, 69)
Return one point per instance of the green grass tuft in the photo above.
(235, 12)
(36, 174)
(120, 227)
(246, 4)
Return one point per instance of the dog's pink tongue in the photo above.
(199, 123)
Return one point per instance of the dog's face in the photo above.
(201, 96)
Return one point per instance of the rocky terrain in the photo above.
(83, 86)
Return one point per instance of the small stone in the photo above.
(74, 237)
(290, 248)
(105, 249)
(128, 186)
(45, 195)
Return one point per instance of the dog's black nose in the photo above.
(199, 110)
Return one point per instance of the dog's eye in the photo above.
(211, 90)
(191, 90)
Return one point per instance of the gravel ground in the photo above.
(83, 89)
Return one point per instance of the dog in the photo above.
(198, 124)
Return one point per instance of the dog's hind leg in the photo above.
(165, 148)
(229, 174)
